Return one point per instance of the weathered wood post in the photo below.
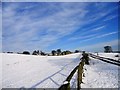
(78, 79)
(80, 71)
(82, 65)
(65, 86)
(85, 57)
(79, 76)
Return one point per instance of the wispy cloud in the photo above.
(25, 26)
(110, 17)
(98, 28)
(39, 25)
(86, 33)
(83, 37)
(100, 36)
(100, 46)
(0, 27)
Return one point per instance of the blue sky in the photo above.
(51, 25)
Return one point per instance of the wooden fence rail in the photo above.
(79, 70)
(108, 60)
(104, 58)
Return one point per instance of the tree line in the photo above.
(57, 52)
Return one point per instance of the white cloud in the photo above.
(83, 37)
(100, 46)
(98, 28)
(100, 36)
(110, 17)
(32, 28)
(0, 27)
(23, 29)
(87, 31)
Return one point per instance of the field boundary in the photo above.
(108, 60)
(79, 70)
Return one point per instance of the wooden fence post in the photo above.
(79, 68)
(80, 71)
(65, 86)
(79, 77)
(82, 64)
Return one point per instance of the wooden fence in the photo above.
(79, 70)
(108, 60)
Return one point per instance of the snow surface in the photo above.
(100, 74)
(109, 55)
(31, 71)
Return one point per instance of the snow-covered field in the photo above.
(100, 74)
(109, 55)
(30, 71)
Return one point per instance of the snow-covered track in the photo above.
(108, 60)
